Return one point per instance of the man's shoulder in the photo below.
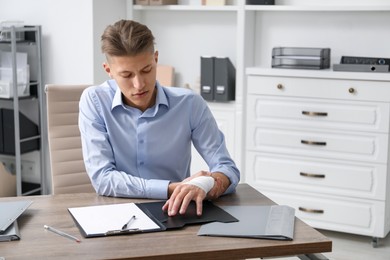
(105, 89)
(180, 93)
(177, 91)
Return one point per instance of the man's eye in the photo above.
(147, 70)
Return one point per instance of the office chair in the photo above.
(67, 165)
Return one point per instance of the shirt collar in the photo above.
(161, 97)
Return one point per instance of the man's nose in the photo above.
(139, 82)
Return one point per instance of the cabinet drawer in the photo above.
(319, 113)
(335, 213)
(337, 145)
(317, 176)
(363, 90)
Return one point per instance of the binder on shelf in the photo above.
(217, 79)
(207, 77)
(224, 79)
(107, 220)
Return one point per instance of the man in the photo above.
(136, 135)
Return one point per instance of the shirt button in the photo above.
(141, 163)
(141, 141)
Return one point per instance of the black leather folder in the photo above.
(211, 213)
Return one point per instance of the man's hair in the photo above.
(126, 38)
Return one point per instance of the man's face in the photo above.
(136, 78)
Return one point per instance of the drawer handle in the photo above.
(280, 86)
(312, 175)
(313, 143)
(317, 211)
(311, 113)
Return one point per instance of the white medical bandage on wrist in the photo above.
(206, 183)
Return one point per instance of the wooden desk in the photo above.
(37, 243)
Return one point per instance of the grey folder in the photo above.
(11, 234)
(267, 222)
(10, 211)
(207, 77)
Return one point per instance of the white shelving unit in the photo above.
(32, 46)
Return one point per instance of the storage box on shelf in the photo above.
(5, 32)
(7, 182)
(321, 146)
(6, 85)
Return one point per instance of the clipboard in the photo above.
(274, 222)
(10, 211)
(108, 220)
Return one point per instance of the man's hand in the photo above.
(181, 194)
(181, 197)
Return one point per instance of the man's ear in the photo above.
(156, 56)
(106, 67)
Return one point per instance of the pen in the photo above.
(61, 233)
(125, 226)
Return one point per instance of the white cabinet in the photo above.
(319, 140)
(320, 144)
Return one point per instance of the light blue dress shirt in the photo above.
(130, 153)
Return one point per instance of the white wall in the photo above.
(66, 36)
(71, 32)
(105, 12)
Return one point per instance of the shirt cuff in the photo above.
(157, 189)
(232, 177)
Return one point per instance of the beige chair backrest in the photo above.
(67, 165)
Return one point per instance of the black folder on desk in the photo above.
(105, 220)
(211, 213)
(274, 222)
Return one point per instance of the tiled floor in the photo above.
(353, 247)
